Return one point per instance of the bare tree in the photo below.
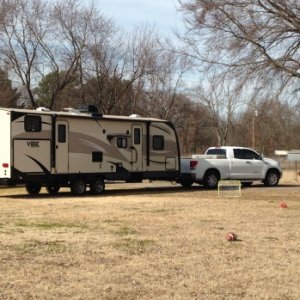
(254, 38)
(193, 126)
(223, 99)
(22, 29)
(122, 65)
(275, 126)
(166, 85)
(65, 46)
(8, 94)
(39, 38)
(104, 65)
(140, 60)
(3, 12)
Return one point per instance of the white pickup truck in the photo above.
(236, 163)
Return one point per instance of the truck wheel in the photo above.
(52, 189)
(78, 186)
(97, 186)
(186, 182)
(272, 178)
(211, 179)
(33, 188)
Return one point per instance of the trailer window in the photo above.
(122, 142)
(158, 142)
(61, 133)
(33, 123)
(97, 156)
(137, 136)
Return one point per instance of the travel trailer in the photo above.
(80, 149)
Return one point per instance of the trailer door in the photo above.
(137, 148)
(61, 147)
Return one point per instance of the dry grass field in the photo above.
(151, 241)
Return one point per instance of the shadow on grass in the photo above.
(140, 190)
(131, 191)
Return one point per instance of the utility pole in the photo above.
(253, 128)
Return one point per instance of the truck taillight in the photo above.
(5, 165)
(193, 164)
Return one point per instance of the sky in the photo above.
(127, 13)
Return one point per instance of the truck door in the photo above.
(246, 164)
(137, 148)
(61, 147)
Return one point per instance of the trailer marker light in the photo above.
(5, 165)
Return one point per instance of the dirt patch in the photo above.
(292, 177)
(151, 241)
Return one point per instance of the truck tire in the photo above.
(272, 178)
(52, 189)
(211, 179)
(97, 186)
(78, 186)
(33, 188)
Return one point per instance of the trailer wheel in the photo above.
(33, 188)
(52, 189)
(272, 178)
(78, 186)
(97, 186)
(211, 179)
(246, 184)
(186, 183)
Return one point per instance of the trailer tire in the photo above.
(52, 189)
(33, 188)
(211, 179)
(246, 184)
(186, 183)
(272, 178)
(97, 186)
(78, 186)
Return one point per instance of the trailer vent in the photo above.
(71, 110)
(43, 109)
(86, 109)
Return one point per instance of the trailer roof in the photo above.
(70, 112)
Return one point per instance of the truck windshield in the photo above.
(216, 152)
